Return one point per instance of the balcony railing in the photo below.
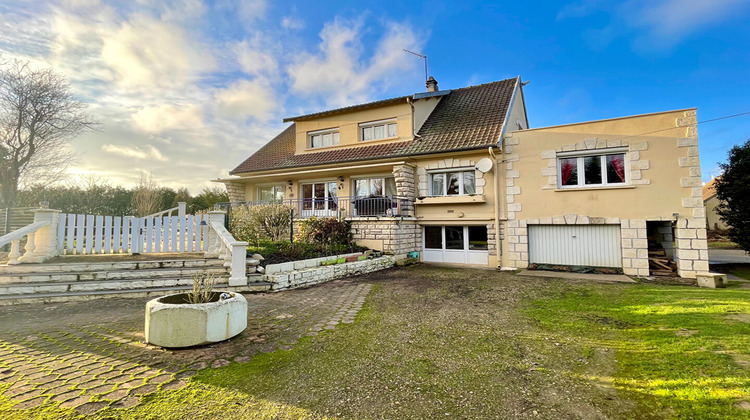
(355, 206)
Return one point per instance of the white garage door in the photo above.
(589, 245)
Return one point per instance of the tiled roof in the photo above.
(466, 118)
(709, 190)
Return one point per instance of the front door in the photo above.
(319, 199)
(456, 244)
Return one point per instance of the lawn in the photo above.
(456, 343)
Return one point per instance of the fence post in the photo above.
(238, 266)
(214, 243)
(7, 225)
(291, 225)
(45, 239)
(181, 209)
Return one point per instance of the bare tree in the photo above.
(38, 115)
(146, 196)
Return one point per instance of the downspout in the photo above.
(500, 205)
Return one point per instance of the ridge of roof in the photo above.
(466, 118)
(335, 111)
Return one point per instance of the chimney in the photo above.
(432, 84)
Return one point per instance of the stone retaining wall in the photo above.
(321, 274)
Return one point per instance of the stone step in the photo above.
(108, 266)
(52, 277)
(130, 293)
(100, 285)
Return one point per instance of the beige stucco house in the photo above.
(711, 201)
(459, 176)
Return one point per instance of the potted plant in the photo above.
(201, 316)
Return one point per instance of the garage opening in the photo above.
(660, 236)
(456, 244)
(575, 245)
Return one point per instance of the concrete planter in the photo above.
(171, 323)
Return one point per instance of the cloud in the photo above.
(157, 119)
(653, 24)
(341, 69)
(247, 99)
(293, 23)
(147, 152)
(147, 53)
(253, 60)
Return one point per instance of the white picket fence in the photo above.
(96, 234)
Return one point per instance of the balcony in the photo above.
(344, 207)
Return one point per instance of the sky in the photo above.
(187, 89)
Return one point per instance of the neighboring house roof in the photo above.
(464, 119)
(709, 189)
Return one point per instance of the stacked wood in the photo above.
(659, 264)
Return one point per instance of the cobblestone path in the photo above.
(90, 355)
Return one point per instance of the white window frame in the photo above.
(373, 124)
(333, 131)
(382, 178)
(602, 153)
(444, 193)
(279, 186)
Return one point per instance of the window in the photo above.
(323, 138)
(452, 183)
(319, 198)
(591, 171)
(271, 194)
(377, 187)
(374, 196)
(377, 130)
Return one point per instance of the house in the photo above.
(459, 176)
(711, 201)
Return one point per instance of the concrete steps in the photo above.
(63, 282)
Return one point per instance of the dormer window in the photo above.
(323, 138)
(377, 130)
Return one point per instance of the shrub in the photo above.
(254, 223)
(325, 231)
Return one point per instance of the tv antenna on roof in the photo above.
(421, 56)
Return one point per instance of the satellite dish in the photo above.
(484, 165)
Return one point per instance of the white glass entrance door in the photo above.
(456, 244)
(319, 199)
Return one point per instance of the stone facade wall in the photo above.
(691, 247)
(236, 191)
(398, 236)
(492, 239)
(314, 275)
(405, 186)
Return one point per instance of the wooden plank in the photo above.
(126, 233)
(189, 236)
(89, 241)
(98, 232)
(157, 234)
(181, 231)
(116, 229)
(61, 233)
(107, 234)
(135, 237)
(70, 238)
(198, 231)
(150, 234)
(165, 234)
(173, 226)
(80, 223)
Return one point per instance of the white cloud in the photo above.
(247, 99)
(147, 152)
(147, 53)
(253, 60)
(341, 70)
(292, 23)
(655, 24)
(157, 119)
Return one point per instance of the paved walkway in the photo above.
(728, 256)
(89, 355)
